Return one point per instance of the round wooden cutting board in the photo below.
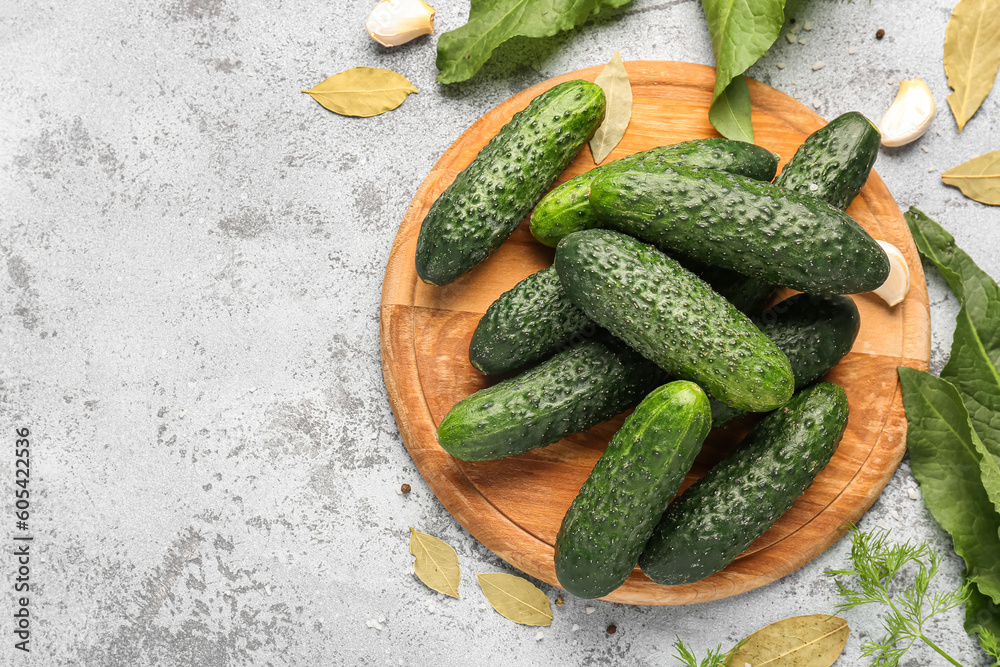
(514, 506)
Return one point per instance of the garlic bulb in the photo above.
(897, 285)
(395, 22)
(910, 114)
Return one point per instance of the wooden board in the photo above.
(514, 506)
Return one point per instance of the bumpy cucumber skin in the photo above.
(814, 332)
(536, 318)
(673, 318)
(565, 209)
(834, 162)
(749, 295)
(751, 227)
(490, 197)
(716, 519)
(566, 394)
(619, 505)
(527, 323)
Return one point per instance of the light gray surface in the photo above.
(194, 254)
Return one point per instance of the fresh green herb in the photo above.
(991, 644)
(463, 51)
(742, 31)
(714, 658)
(982, 616)
(872, 579)
(730, 113)
(954, 426)
(974, 366)
(959, 480)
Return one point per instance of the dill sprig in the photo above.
(991, 644)
(876, 563)
(714, 658)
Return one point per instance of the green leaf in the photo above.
(362, 91)
(730, 112)
(741, 31)
(978, 178)
(461, 52)
(981, 613)
(947, 461)
(975, 352)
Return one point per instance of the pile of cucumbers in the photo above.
(664, 262)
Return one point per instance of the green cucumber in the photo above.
(834, 162)
(526, 323)
(490, 197)
(751, 227)
(535, 318)
(673, 318)
(609, 522)
(574, 390)
(814, 332)
(565, 209)
(749, 295)
(721, 514)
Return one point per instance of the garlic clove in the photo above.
(909, 115)
(395, 22)
(897, 285)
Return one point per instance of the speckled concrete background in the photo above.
(194, 253)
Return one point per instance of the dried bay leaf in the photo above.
(516, 598)
(436, 563)
(971, 55)
(613, 80)
(978, 179)
(801, 641)
(362, 91)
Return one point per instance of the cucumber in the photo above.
(490, 197)
(749, 295)
(609, 522)
(750, 227)
(716, 519)
(565, 209)
(535, 318)
(673, 318)
(814, 332)
(528, 322)
(574, 390)
(833, 162)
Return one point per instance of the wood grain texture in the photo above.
(514, 506)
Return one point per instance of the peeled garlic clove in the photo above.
(395, 22)
(910, 114)
(896, 286)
